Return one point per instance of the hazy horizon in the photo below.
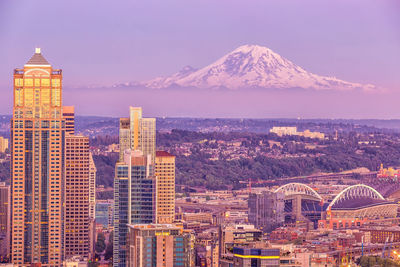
(99, 43)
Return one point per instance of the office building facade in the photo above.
(137, 133)
(266, 210)
(69, 117)
(37, 167)
(162, 245)
(76, 214)
(134, 198)
(165, 173)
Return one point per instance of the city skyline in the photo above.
(360, 47)
(53, 180)
(199, 133)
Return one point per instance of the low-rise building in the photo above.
(165, 245)
(248, 257)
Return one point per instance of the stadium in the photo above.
(352, 207)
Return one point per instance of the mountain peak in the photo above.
(252, 66)
(251, 48)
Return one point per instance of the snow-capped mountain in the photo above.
(162, 82)
(252, 66)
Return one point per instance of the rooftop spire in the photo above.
(38, 59)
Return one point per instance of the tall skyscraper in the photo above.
(137, 133)
(161, 245)
(134, 198)
(92, 187)
(5, 220)
(37, 141)
(76, 215)
(165, 173)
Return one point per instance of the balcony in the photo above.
(18, 71)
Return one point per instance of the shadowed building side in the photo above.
(5, 220)
(77, 219)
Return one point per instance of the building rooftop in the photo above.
(37, 59)
(154, 226)
(163, 154)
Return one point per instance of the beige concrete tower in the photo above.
(37, 140)
(165, 173)
(76, 217)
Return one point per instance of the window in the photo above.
(28, 82)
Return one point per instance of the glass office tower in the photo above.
(134, 198)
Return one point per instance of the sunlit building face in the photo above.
(37, 139)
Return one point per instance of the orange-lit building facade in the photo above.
(76, 215)
(165, 176)
(161, 245)
(137, 133)
(37, 141)
(69, 117)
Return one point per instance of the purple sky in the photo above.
(99, 43)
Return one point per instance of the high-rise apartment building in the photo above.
(165, 173)
(76, 215)
(137, 133)
(162, 245)
(266, 210)
(3, 144)
(92, 187)
(134, 198)
(37, 166)
(5, 220)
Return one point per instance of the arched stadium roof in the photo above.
(354, 192)
(298, 188)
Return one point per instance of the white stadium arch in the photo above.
(298, 188)
(356, 191)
